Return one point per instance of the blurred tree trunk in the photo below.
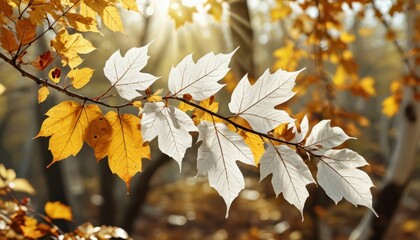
(107, 211)
(242, 37)
(53, 175)
(405, 152)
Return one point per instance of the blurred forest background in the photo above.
(360, 59)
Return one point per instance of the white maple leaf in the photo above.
(346, 157)
(304, 128)
(324, 137)
(290, 174)
(343, 181)
(217, 156)
(200, 79)
(171, 126)
(256, 103)
(124, 72)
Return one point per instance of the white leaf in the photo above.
(304, 128)
(339, 180)
(345, 156)
(217, 157)
(124, 72)
(171, 126)
(324, 137)
(256, 103)
(290, 174)
(200, 79)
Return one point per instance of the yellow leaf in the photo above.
(368, 85)
(98, 136)
(185, 107)
(126, 148)
(80, 77)
(340, 76)
(25, 31)
(2, 89)
(82, 23)
(180, 13)
(209, 104)
(216, 9)
(39, 11)
(54, 75)
(130, 5)
(255, 143)
(137, 104)
(347, 37)
(390, 105)
(30, 228)
(154, 98)
(58, 210)
(108, 12)
(43, 93)
(70, 46)
(66, 124)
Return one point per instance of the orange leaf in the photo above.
(30, 228)
(98, 136)
(126, 148)
(25, 31)
(8, 40)
(43, 61)
(66, 124)
(57, 210)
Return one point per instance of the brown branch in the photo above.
(69, 93)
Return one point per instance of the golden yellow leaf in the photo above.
(255, 143)
(58, 210)
(339, 78)
(216, 9)
(2, 89)
(39, 11)
(108, 12)
(80, 77)
(130, 5)
(82, 23)
(70, 46)
(209, 104)
(98, 136)
(8, 40)
(43, 93)
(347, 37)
(126, 148)
(281, 10)
(137, 104)
(185, 107)
(25, 31)
(66, 124)
(180, 13)
(30, 228)
(368, 85)
(391, 105)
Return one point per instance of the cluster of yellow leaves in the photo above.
(325, 41)
(70, 123)
(180, 13)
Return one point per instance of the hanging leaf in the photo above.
(217, 156)
(171, 126)
(124, 72)
(256, 103)
(290, 174)
(200, 79)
